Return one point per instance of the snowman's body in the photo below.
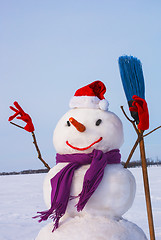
(101, 218)
(112, 198)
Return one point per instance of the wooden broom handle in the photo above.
(146, 188)
(140, 141)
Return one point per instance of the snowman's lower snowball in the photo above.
(95, 228)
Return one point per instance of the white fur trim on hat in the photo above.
(88, 102)
(103, 104)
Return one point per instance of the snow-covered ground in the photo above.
(21, 197)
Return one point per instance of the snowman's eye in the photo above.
(68, 123)
(98, 122)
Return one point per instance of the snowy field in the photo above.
(21, 197)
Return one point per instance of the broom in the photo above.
(133, 84)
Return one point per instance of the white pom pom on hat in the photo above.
(90, 96)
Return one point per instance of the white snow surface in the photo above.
(21, 196)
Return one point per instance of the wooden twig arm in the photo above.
(151, 131)
(16, 125)
(122, 108)
(132, 121)
(132, 151)
(36, 146)
(38, 151)
(140, 136)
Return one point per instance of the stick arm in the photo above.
(38, 151)
(139, 138)
(36, 146)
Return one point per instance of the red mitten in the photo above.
(23, 116)
(140, 106)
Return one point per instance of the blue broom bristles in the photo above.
(132, 76)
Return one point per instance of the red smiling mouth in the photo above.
(82, 149)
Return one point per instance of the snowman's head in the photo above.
(89, 125)
(82, 130)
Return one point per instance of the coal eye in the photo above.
(98, 122)
(68, 123)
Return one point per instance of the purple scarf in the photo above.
(61, 182)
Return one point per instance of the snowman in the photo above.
(88, 190)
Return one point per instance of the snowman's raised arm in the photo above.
(20, 114)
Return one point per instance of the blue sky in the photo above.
(49, 49)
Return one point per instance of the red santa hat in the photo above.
(90, 96)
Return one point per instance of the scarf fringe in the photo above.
(74, 197)
(86, 193)
(54, 213)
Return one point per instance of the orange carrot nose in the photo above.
(79, 126)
